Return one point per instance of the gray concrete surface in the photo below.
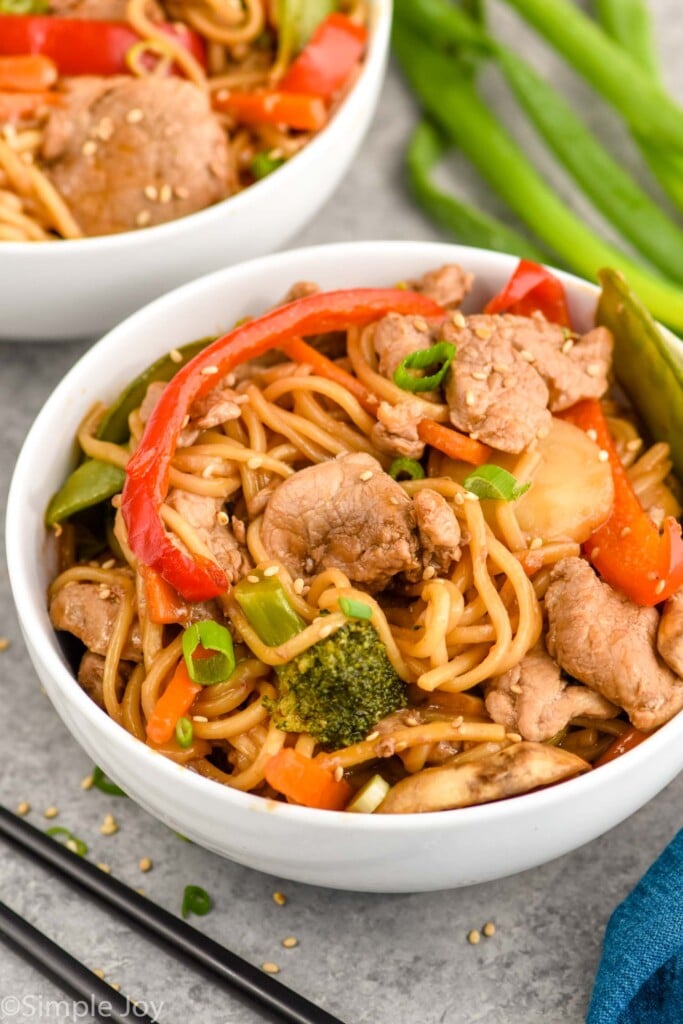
(369, 959)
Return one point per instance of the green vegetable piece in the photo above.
(114, 426)
(467, 224)
(370, 796)
(267, 609)
(440, 355)
(355, 609)
(24, 6)
(104, 783)
(93, 482)
(453, 102)
(297, 20)
(196, 901)
(409, 468)
(338, 689)
(647, 369)
(494, 482)
(628, 22)
(71, 841)
(212, 637)
(262, 164)
(184, 732)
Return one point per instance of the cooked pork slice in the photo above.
(670, 633)
(346, 514)
(515, 769)
(494, 393)
(438, 530)
(395, 337)
(604, 640)
(447, 285)
(201, 512)
(534, 700)
(396, 429)
(89, 611)
(128, 152)
(91, 675)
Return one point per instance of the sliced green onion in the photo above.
(406, 467)
(494, 482)
(370, 796)
(104, 784)
(268, 611)
(196, 901)
(262, 164)
(184, 732)
(212, 637)
(71, 841)
(441, 355)
(355, 609)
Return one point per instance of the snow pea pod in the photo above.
(91, 483)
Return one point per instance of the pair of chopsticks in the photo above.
(105, 1002)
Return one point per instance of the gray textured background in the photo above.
(379, 959)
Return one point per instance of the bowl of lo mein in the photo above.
(361, 564)
(146, 142)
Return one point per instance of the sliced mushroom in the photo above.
(518, 768)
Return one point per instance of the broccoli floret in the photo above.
(339, 688)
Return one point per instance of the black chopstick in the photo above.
(103, 1002)
(182, 937)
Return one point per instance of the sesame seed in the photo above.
(592, 434)
(279, 898)
(501, 367)
(115, 985)
(165, 194)
(181, 192)
(290, 942)
(134, 116)
(185, 422)
(86, 782)
(568, 346)
(473, 937)
(480, 375)
(151, 192)
(272, 570)
(527, 356)
(72, 845)
(603, 455)
(515, 688)
(89, 148)
(536, 543)
(625, 532)
(143, 218)
(23, 808)
(660, 586)
(145, 864)
(59, 529)
(469, 398)
(4, 643)
(298, 585)
(514, 737)
(595, 551)
(489, 929)
(474, 435)
(222, 518)
(105, 129)
(270, 968)
(429, 572)
(400, 746)
(338, 773)
(457, 722)
(594, 369)
(175, 356)
(458, 319)
(50, 812)
(420, 325)
(209, 371)
(325, 631)
(98, 972)
(105, 593)
(253, 579)
(104, 867)
(199, 718)
(207, 472)
(141, 892)
(483, 332)
(367, 475)
(459, 499)
(255, 463)
(109, 826)
(542, 433)
(634, 445)
(109, 564)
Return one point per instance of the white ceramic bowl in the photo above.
(81, 288)
(346, 851)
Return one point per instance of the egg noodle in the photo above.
(444, 635)
(240, 56)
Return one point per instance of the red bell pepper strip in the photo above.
(164, 604)
(627, 741)
(532, 289)
(305, 782)
(272, 106)
(30, 73)
(325, 63)
(628, 550)
(80, 47)
(198, 579)
(175, 701)
(452, 443)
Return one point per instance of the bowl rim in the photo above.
(207, 789)
(263, 191)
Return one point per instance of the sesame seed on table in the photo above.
(369, 959)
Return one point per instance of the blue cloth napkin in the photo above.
(640, 977)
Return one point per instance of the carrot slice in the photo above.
(305, 782)
(175, 701)
(29, 73)
(301, 352)
(295, 110)
(452, 443)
